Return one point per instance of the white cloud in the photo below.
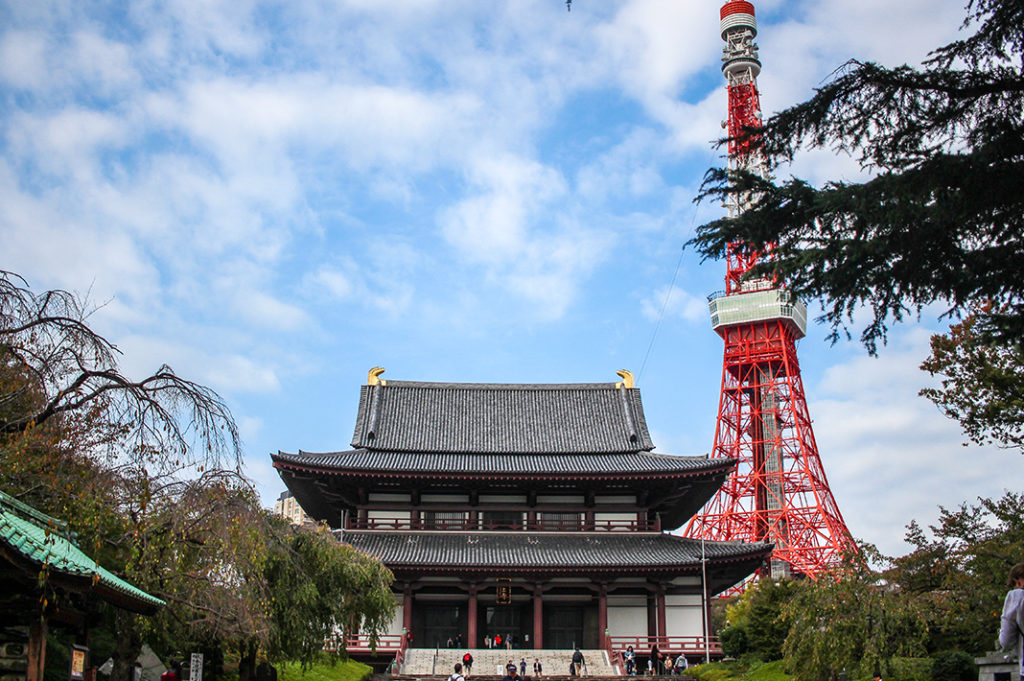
(23, 58)
(656, 44)
(674, 302)
(102, 65)
(492, 226)
(333, 282)
(890, 455)
(264, 309)
(225, 372)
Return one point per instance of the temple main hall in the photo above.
(538, 512)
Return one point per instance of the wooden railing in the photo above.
(405, 523)
(690, 645)
(360, 643)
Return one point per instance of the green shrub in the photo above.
(954, 666)
(767, 671)
(747, 669)
(909, 669)
(350, 670)
(719, 671)
(734, 641)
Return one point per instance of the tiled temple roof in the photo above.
(36, 539)
(408, 416)
(556, 552)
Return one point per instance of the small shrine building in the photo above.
(536, 511)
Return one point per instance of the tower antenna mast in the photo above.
(778, 492)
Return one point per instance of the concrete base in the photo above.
(998, 666)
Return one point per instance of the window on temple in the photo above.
(566, 522)
(502, 520)
(443, 520)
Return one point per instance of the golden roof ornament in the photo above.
(373, 378)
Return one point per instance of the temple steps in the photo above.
(488, 663)
(546, 677)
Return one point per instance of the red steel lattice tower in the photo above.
(778, 492)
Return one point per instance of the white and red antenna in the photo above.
(778, 492)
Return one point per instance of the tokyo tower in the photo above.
(778, 492)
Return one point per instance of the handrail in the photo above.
(614, 655)
(690, 645)
(440, 524)
(385, 642)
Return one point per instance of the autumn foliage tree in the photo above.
(981, 381)
(148, 472)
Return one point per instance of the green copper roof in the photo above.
(45, 540)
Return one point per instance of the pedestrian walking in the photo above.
(1011, 623)
(579, 663)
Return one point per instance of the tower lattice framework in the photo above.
(778, 492)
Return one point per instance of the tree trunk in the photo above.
(129, 644)
(247, 664)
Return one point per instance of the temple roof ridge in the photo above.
(531, 418)
(500, 386)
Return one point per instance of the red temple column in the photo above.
(471, 634)
(407, 609)
(538, 618)
(662, 627)
(602, 614)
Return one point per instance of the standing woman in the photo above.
(1011, 625)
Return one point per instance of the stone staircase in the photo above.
(427, 662)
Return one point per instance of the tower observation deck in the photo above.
(778, 492)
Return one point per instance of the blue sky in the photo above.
(275, 197)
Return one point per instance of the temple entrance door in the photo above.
(504, 620)
(563, 626)
(441, 621)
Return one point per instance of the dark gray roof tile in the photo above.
(407, 416)
(544, 550)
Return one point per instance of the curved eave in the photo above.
(82, 583)
(528, 555)
(676, 494)
(710, 467)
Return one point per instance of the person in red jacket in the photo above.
(172, 674)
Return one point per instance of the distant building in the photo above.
(286, 506)
(536, 511)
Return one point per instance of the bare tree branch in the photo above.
(47, 339)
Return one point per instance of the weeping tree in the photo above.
(67, 369)
(148, 471)
(122, 458)
(939, 218)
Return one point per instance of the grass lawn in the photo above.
(741, 670)
(343, 671)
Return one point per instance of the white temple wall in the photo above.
(684, 615)
(396, 622)
(376, 515)
(615, 517)
(627, 620)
